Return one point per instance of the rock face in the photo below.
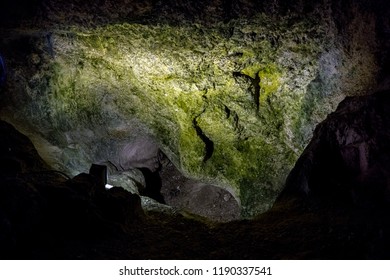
(348, 159)
(343, 176)
(335, 204)
(231, 99)
(17, 153)
(41, 209)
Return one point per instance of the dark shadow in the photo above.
(153, 185)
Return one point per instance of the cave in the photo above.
(235, 129)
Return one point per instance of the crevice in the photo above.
(238, 128)
(227, 111)
(256, 90)
(254, 87)
(234, 119)
(49, 40)
(152, 185)
(2, 71)
(209, 145)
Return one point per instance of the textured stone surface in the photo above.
(39, 206)
(132, 180)
(348, 159)
(231, 99)
(17, 153)
(194, 197)
(43, 215)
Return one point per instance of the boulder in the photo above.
(348, 159)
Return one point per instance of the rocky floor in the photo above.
(283, 233)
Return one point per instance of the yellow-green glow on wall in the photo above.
(269, 81)
(180, 82)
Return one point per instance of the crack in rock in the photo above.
(209, 144)
(234, 119)
(254, 87)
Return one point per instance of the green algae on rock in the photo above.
(227, 102)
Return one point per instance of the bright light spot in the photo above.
(108, 186)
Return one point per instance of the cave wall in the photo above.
(229, 90)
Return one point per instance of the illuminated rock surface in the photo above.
(230, 99)
(335, 205)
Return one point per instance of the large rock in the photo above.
(192, 196)
(17, 153)
(348, 159)
(41, 209)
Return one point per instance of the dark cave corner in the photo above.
(152, 185)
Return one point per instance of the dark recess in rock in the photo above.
(153, 185)
(209, 145)
(2, 71)
(227, 111)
